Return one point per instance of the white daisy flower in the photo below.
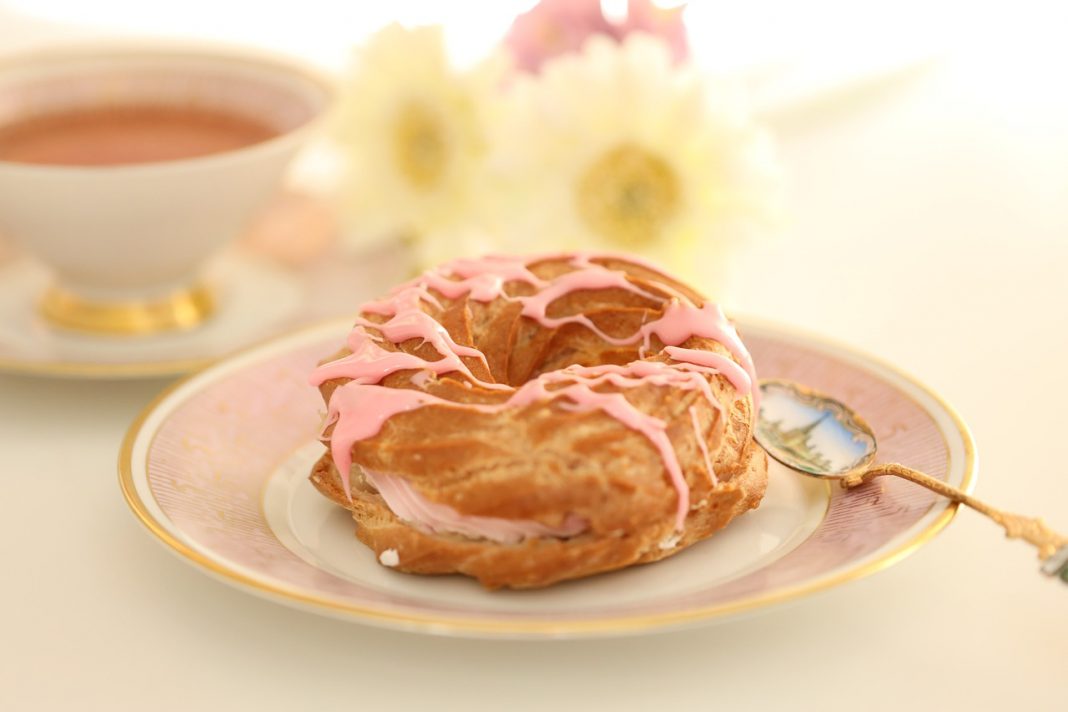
(617, 148)
(412, 129)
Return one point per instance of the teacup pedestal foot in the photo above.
(181, 309)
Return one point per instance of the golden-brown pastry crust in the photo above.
(542, 462)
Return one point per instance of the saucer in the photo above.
(217, 469)
(256, 298)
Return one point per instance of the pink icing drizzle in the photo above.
(369, 363)
(709, 362)
(406, 296)
(417, 324)
(408, 504)
(505, 269)
(358, 411)
(578, 383)
(593, 277)
(586, 399)
(360, 408)
(682, 321)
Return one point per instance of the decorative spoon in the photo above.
(819, 436)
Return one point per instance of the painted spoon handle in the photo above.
(1052, 547)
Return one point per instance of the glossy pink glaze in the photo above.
(682, 320)
(585, 399)
(361, 407)
(415, 323)
(502, 268)
(710, 362)
(358, 411)
(583, 258)
(406, 296)
(411, 506)
(369, 363)
(590, 278)
(641, 373)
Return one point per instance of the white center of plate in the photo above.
(323, 534)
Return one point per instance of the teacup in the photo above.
(127, 234)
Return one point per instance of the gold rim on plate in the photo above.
(546, 629)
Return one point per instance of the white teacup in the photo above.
(127, 242)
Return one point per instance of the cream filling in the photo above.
(412, 507)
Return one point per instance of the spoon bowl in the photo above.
(811, 432)
(817, 435)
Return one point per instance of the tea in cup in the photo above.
(125, 169)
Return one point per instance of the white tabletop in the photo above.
(930, 226)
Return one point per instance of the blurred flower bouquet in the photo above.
(577, 133)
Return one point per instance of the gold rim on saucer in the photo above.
(183, 309)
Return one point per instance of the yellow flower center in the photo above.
(420, 146)
(628, 195)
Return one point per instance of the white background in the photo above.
(929, 225)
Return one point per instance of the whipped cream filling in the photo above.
(412, 507)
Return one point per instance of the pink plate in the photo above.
(216, 468)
